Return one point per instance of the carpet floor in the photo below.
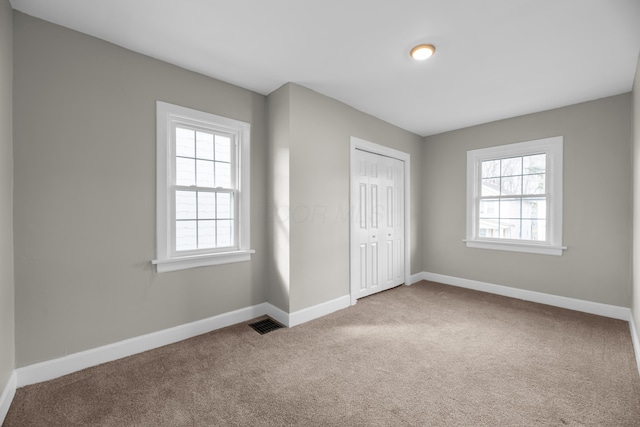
(428, 355)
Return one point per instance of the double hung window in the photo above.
(514, 197)
(202, 189)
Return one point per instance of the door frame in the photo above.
(361, 144)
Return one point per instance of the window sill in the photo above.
(193, 261)
(516, 247)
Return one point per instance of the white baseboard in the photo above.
(55, 368)
(415, 278)
(310, 313)
(606, 310)
(635, 339)
(7, 396)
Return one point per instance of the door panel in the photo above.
(362, 267)
(375, 214)
(362, 207)
(390, 261)
(375, 272)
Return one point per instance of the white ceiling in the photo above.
(495, 58)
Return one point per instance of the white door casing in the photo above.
(379, 218)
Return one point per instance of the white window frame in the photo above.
(553, 148)
(167, 117)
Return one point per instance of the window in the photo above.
(202, 189)
(514, 197)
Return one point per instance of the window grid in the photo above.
(217, 180)
(507, 193)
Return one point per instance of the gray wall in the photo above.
(7, 343)
(597, 204)
(279, 265)
(85, 195)
(319, 142)
(636, 198)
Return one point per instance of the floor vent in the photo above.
(266, 325)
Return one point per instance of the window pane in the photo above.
(533, 184)
(185, 142)
(510, 228)
(533, 229)
(223, 148)
(489, 208)
(512, 166)
(490, 187)
(510, 208)
(490, 168)
(186, 205)
(186, 235)
(223, 175)
(535, 164)
(225, 206)
(185, 171)
(204, 145)
(511, 186)
(205, 173)
(206, 205)
(534, 208)
(225, 233)
(489, 228)
(206, 234)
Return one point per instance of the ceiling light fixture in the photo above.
(422, 52)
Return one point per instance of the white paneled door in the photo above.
(377, 200)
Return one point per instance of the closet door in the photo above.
(378, 209)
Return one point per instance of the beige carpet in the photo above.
(429, 355)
